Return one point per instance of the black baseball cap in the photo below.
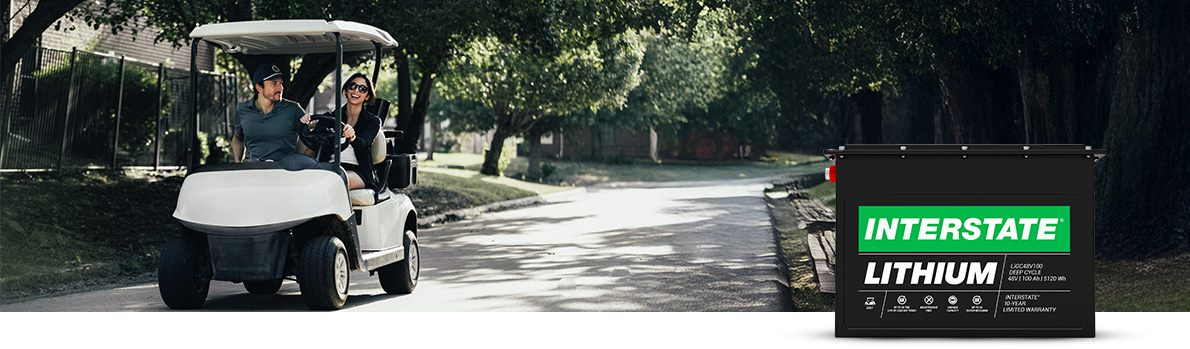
(266, 72)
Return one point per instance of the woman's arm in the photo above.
(365, 131)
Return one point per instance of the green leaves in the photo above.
(523, 86)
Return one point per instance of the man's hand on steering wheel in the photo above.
(319, 132)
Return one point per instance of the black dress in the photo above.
(366, 128)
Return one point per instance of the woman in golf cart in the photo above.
(360, 128)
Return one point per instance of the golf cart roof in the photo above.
(292, 36)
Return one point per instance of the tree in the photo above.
(430, 33)
(1141, 192)
(177, 19)
(679, 73)
(46, 14)
(1099, 72)
(1010, 71)
(520, 88)
(696, 82)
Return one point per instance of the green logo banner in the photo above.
(964, 229)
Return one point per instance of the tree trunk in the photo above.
(596, 143)
(845, 121)
(404, 103)
(491, 159)
(910, 112)
(421, 106)
(534, 172)
(1062, 97)
(652, 145)
(1035, 83)
(42, 17)
(1142, 196)
(430, 144)
(980, 102)
(869, 105)
(314, 70)
(411, 114)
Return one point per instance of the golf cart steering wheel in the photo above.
(322, 137)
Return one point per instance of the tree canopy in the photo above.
(521, 88)
(804, 74)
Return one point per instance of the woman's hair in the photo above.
(371, 87)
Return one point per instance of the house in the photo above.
(83, 37)
(610, 142)
(601, 142)
(85, 104)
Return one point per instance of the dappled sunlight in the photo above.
(662, 249)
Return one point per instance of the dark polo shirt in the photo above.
(269, 136)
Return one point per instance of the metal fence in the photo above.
(78, 109)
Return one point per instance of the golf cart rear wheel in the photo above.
(401, 277)
(179, 274)
(323, 273)
(263, 287)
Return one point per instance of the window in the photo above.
(607, 135)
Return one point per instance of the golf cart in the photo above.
(259, 223)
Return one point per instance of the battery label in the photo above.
(960, 266)
(964, 229)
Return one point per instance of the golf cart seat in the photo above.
(368, 197)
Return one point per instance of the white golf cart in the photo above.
(262, 222)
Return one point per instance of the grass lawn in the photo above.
(1159, 284)
(470, 176)
(69, 231)
(577, 173)
(438, 192)
(824, 192)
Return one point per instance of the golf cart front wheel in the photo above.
(323, 273)
(179, 274)
(401, 277)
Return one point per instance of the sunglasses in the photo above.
(353, 86)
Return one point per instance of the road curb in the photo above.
(680, 184)
(469, 213)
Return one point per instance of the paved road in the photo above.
(695, 246)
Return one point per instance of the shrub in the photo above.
(97, 82)
(548, 170)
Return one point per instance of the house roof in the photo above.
(292, 36)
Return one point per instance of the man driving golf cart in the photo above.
(266, 125)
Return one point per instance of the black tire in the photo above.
(401, 277)
(263, 287)
(179, 274)
(324, 273)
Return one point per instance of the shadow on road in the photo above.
(717, 254)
